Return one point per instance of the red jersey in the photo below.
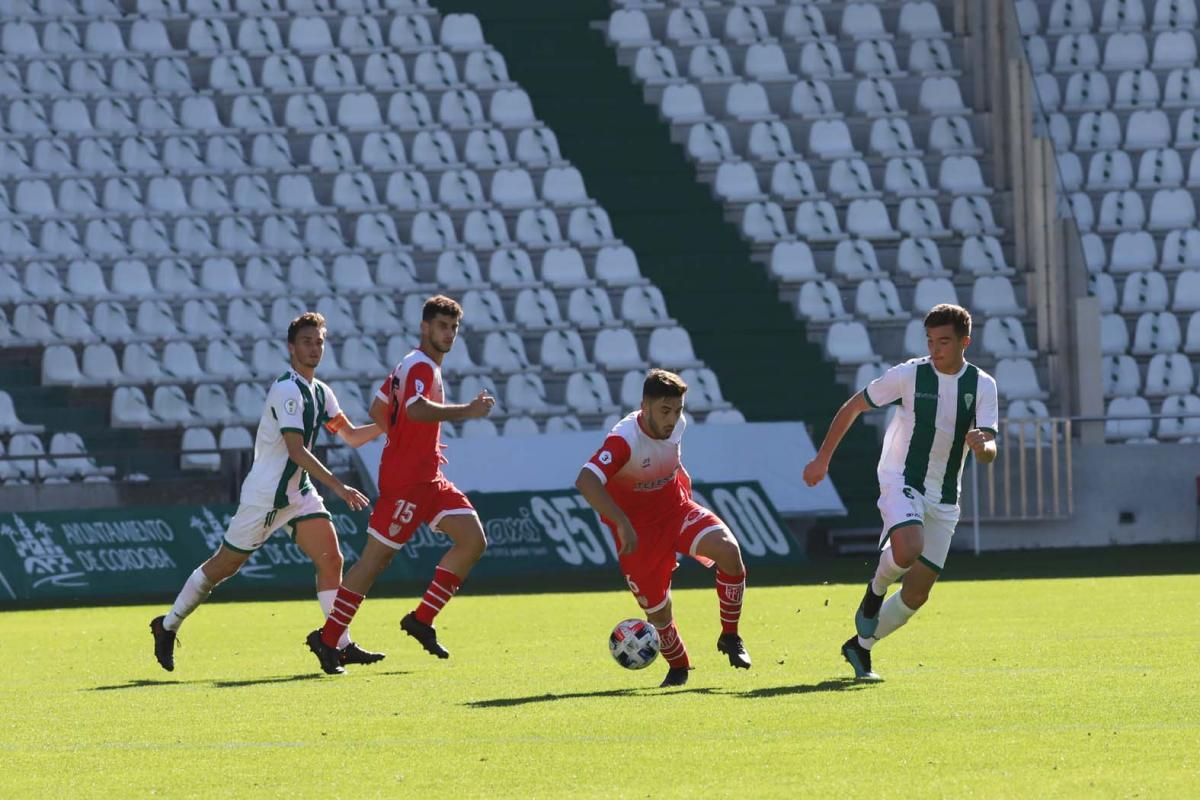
(413, 452)
(644, 475)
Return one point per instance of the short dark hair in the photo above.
(660, 383)
(948, 314)
(440, 304)
(309, 319)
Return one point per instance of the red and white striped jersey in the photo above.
(644, 475)
(413, 452)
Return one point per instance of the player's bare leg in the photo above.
(469, 544)
(221, 565)
(670, 645)
(317, 538)
(719, 546)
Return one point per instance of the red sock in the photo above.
(671, 647)
(730, 589)
(345, 606)
(443, 586)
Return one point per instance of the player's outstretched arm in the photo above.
(592, 489)
(816, 469)
(358, 435)
(303, 457)
(423, 409)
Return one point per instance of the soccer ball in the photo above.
(634, 643)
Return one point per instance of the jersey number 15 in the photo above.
(404, 511)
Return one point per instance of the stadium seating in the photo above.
(842, 137)
(177, 183)
(1120, 100)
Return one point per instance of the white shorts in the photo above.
(904, 506)
(251, 526)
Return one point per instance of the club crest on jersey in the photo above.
(420, 384)
(605, 457)
(290, 405)
(968, 399)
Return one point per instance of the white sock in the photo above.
(326, 598)
(893, 615)
(195, 591)
(887, 573)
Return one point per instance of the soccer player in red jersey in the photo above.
(637, 484)
(410, 406)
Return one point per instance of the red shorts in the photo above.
(648, 568)
(397, 515)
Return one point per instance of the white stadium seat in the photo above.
(792, 180)
(1121, 377)
(1120, 427)
(848, 343)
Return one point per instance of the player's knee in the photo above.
(474, 543)
(662, 617)
(914, 596)
(218, 572)
(330, 563)
(907, 547)
(730, 556)
(374, 559)
(223, 565)
(723, 549)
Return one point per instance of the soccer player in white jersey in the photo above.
(277, 492)
(637, 484)
(945, 406)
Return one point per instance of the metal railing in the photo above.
(1034, 465)
(1031, 478)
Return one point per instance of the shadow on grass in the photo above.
(140, 683)
(832, 685)
(146, 683)
(228, 684)
(503, 702)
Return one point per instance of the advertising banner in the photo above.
(87, 556)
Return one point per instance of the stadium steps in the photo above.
(768, 367)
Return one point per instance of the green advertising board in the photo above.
(85, 556)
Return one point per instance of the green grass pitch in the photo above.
(1081, 687)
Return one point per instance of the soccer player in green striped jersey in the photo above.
(278, 493)
(945, 406)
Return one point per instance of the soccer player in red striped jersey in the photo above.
(637, 484)
(410, 406)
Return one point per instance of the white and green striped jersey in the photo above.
(925, 444)
(293, 404)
